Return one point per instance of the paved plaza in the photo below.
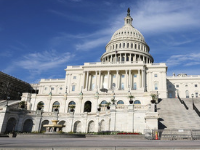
(93, 143)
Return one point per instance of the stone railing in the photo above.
(142, 107)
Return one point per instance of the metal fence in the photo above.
(173, 134)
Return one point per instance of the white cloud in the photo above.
(6, 53)
(39, 62)
(91, 44)
(186, 60)
(155, 16)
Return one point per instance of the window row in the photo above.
(177, 86)
(129, 45)
(87, 105)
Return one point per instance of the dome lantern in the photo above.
(128, 20)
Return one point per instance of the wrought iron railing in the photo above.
(196, 110)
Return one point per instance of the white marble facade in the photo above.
(126, 68)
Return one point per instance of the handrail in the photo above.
(186, 107)
(196, 110)
(180, 99)
(183, 102)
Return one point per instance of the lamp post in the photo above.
(193, 101)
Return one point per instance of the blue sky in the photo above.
(40, 38)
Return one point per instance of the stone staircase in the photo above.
(173, 114)
(10, 102)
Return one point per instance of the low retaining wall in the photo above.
(138, 137)
(47, 135)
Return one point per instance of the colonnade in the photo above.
(117, 79)
(126, 57)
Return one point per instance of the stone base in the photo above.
(50, 135)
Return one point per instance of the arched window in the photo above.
(87, 106)
(91, 126)
(127, 45)
(116, 46)
(28, 125)
(135, 46)
(120, 45)
(71, 106)
(40, 105)
(10, 127)
(120, 102)
(43, 129)
(123, 45)
(56, 106)
(131, 45)
(103, 103)
(77, 126)
(137, 102)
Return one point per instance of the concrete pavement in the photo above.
(93, 144)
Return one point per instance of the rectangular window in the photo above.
(60, 88)
(73, 87)
(74, 77)
(135, 86)
(195, 85)
(93, 86)
(155, 75)
(114, 76)
(122, 86)
(177, 86)
(135, 75)
(52, 88)
(196, 95)
(123, 75)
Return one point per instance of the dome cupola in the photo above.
(127, 45)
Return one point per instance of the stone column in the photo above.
(86, 87)
(80, 82)
(99, 79)
(83, 80)
(96, 80)
(89, 82)
(126, 79)
(117, 84)
(139, 78)
(142, 78)
(134, 57)
(108, 79)
(70, 79)
(129, 79)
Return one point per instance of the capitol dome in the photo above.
(127, 45)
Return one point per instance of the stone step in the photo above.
(173, 114)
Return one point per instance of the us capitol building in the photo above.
(112, 95)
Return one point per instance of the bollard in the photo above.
(156, 138)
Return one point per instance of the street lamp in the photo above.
(193, 101)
